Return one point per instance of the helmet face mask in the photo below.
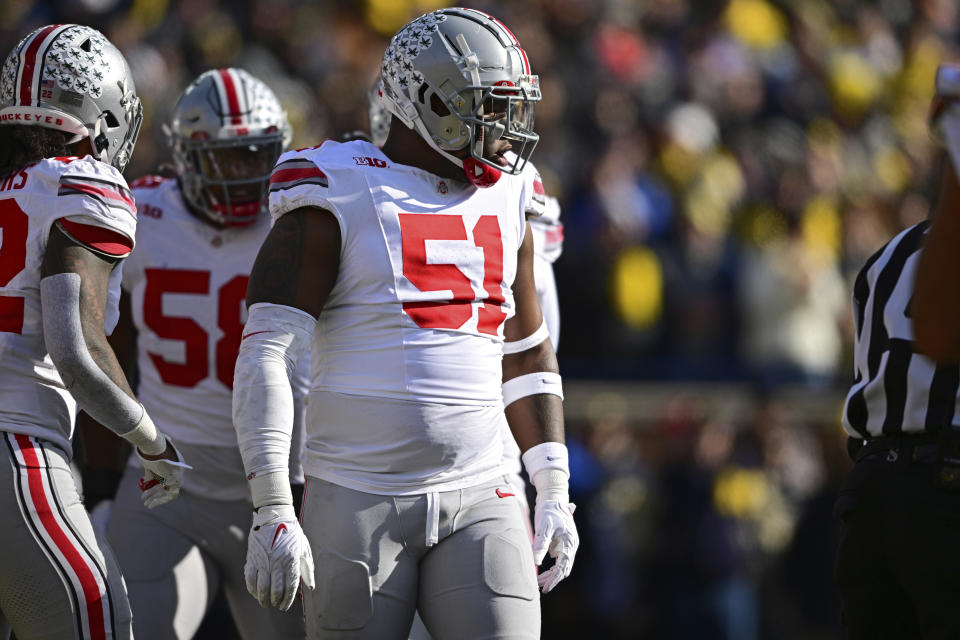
(71, 78)
(461, 80)
(226, 133)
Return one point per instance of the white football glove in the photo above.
(161, 479)
(278, 557)
(554, 530)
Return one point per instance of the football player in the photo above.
(543, 214)
(184, 288)
(417, 261)
(69, 119)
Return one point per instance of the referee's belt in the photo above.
(920, 448)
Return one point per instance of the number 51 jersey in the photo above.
(414, 322)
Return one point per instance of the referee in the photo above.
(898, 564)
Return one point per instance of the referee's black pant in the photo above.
(898, 564)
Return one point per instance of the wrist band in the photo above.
(146, 437)
(546, 455)
(271, 489)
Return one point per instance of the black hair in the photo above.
(22, 144)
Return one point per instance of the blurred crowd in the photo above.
(724, 169)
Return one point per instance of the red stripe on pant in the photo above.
(88, 582)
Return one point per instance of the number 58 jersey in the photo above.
(91, 199)
(187, 282)
(426, 268)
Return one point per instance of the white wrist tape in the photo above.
(532, 384)
(546, 455)
(551, 484)
(270, 488)
(146, 438)
(93, 390)
(275, 336)
(530, 341)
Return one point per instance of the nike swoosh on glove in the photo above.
(161, 479)
(278, 556)
(554, 533)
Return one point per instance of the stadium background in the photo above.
(724, 168)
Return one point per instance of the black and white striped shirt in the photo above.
(895, 390)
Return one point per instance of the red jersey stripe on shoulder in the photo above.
(538, 188)
(286, 175)
(102, 189)
(106, 241)
(66, 159)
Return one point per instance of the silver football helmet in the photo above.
(226, 133)
(456, 76)
(71, 78)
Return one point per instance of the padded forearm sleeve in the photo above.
(263, 409)
(93, 390)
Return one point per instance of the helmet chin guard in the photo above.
(480, 174)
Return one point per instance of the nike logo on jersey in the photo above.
(501, 494)
(280, 529)
(551, 458)
(247, 335)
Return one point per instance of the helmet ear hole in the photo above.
(110, 119)
(437, 106)
(86, 45)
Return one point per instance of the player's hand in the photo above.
(162, 476)
(556, 534)
(278, 557)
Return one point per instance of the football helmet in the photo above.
(457, 76)
(71, 78)
(225, 135)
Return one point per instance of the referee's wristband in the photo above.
(546, 455)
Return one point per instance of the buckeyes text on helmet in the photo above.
(457, 75)
(226, 133)
(71, 78)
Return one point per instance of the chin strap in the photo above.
(479, 174)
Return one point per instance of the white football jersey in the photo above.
(413, 328)
(33, 400)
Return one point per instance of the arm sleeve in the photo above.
(275, 336)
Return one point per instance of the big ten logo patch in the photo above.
(367, 161)
(149, 211)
